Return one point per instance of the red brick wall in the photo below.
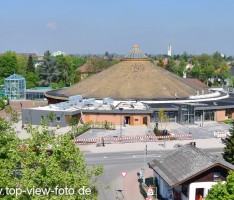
(115, 118)
(220, 115)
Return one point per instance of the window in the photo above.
(58, 119)
(217, 176)
(136, 120)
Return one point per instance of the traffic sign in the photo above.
(150, 191)
(123, 174)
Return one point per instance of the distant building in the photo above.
(58, 53)
(86, 70)
(169, 52)
(188, 173)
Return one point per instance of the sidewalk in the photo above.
(151, 146)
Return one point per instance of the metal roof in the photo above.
(136, 52)
(15, 77)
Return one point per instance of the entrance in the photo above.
(127, 120)
(145, 120)
(199, 193)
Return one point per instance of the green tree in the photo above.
(66, 70)
(32, 80)
(171, 64)
(48, 70)
(22, 64)
(160, 63)
(77, 61)
(222, 191)
(162, 116)
(30, 64)
(44, 162)
(8, 64)
(225, 72)
(228, 154)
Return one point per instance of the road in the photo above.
(131, 162)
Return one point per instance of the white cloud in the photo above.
(51, 26)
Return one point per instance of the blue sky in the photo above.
(96, 26)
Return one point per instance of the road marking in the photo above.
(105, 157)
(134, 156)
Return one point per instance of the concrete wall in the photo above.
(34, 117)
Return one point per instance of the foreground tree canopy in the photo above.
(228, 154)
(222, 191)
(44, 162)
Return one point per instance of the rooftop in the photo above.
(136, 53)
(185, 162)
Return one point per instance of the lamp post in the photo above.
(121, 121)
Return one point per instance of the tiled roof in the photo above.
(84, 68)
(187, 161)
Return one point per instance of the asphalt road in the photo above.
(131, 162)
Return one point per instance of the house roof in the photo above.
(85, 68)
(184, 163)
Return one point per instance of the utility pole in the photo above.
(143, 169)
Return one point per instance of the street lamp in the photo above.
(121, 121)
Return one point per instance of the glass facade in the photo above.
(208, 115)
(186, 114)
(15, 87)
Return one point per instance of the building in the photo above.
(89, 110)
(15, 87)
(136, 78)
(58, 53)
(86, 70)
(188, 172)
(169, 51)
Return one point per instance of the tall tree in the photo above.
(48, 70)
(30, 65)
(228, 154)
(8, 64)
(222, 191)
(22, 64)
(44, 162)
(66, 70)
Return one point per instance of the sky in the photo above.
(97, 26)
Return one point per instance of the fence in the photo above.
(132, 139)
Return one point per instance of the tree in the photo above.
(22, 64)
(160, 63)
(48, 71)
(31, 80)
(8, 64)
(30, 65)
(44, 162)
(66, 70)
(228, 154)
(222, 191)
(170, 65)
(225, 72)
(162, 116)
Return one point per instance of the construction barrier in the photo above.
(146, 138)
(221, 134)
